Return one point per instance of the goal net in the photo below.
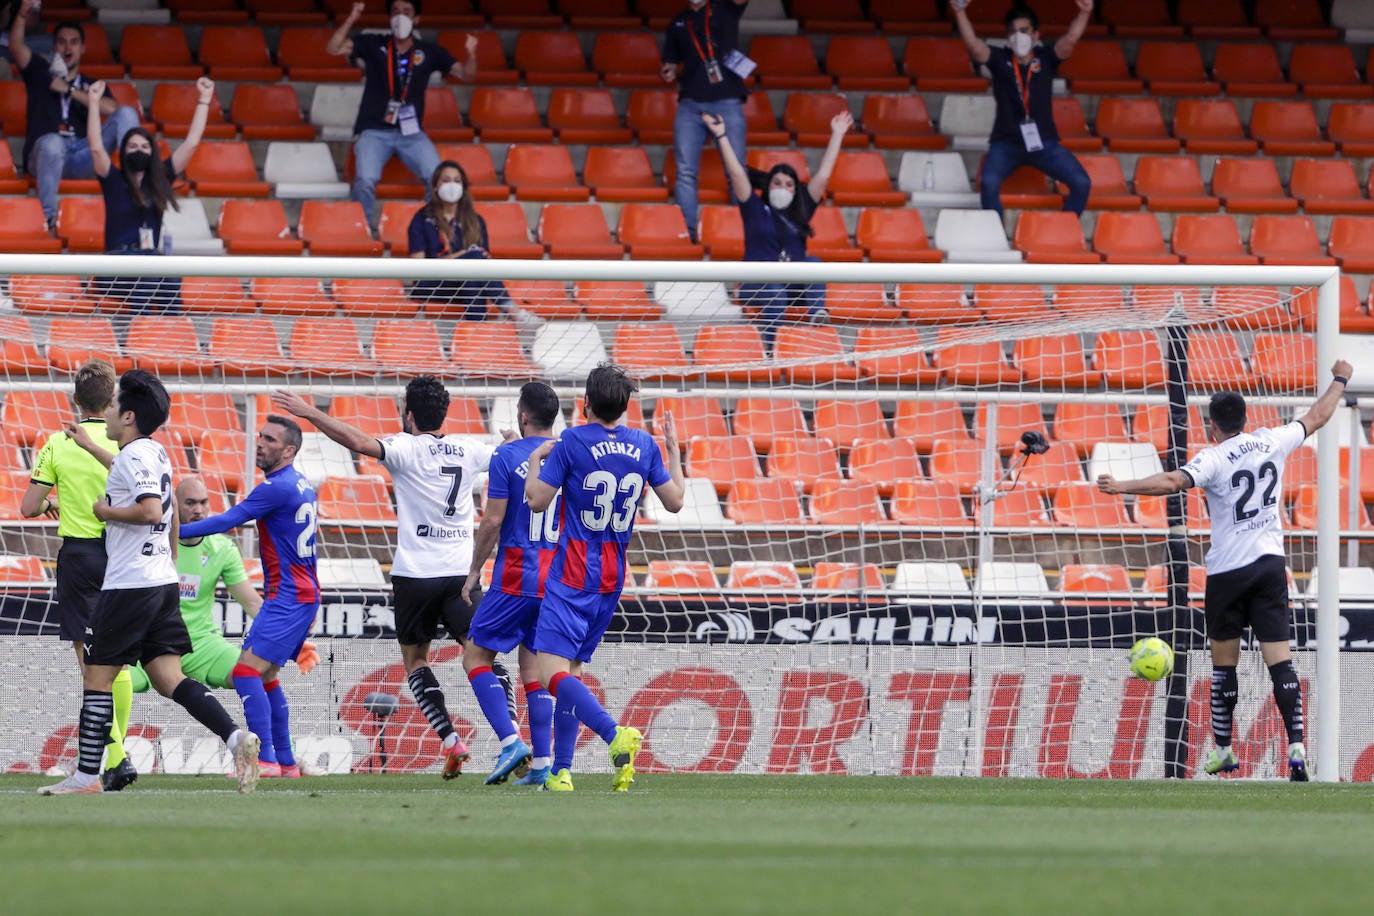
(892, 558)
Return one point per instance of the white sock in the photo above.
(85, 779)
(450, 741)
(235, 740)
(540, 763)
(509, 740)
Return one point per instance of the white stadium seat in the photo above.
(502, 415)
(973, 236)
(350, 573)
(930, 579)
(967, 120)
(1123, 460)
(333, 109)
(568, 349)
(320, 457)
(700, 507)
(1003, 579)
(303, 170)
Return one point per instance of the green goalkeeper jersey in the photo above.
(200, 568)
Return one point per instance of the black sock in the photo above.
(503, 675)
(1224, 692)
(195, 698)
(97, 712)
(1288, 697)
(429, 696)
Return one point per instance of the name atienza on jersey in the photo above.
(140, 556)
(434, 471)
(1242, 478)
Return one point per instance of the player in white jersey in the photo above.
(433, 475)
(138, 615)
(1247, 576)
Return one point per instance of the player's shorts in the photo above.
(137, 625)
(503, 621)
(279, 631)
(572, 622)
(80, 573)
(420, 605)
(1256, 595)
(212, 663)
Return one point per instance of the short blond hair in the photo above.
(94, 387)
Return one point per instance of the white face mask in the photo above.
(450, 192)
(780, 198)
(1021, 43)
(402, 26)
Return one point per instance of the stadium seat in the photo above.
(1002, 302)
(1153, 512)
(488, 349)
(81, 223)
(1054, 361)
(10, 182)
(627, 60)
(1289, 128)
(174, 104)
(1173, 68)
(1211, 127)
(290, 296)
(1123, 460)
(763, 502)
(830, 237)
(807, 116)
(165, 345)
(765, 159)
(924, 422)
(818, 353)
(935, 303)
(831, 16)
(1251, 71)
(764, 421)
(899, 122)
(1287, 240)
(1072, 125)
(722, 461)
(577, 231)
(1351, 126)
(1104, 579)
(376, 415)
(1351, 243)
(940, 65)
(543, 173)
(481, 171)
(19, 347)
(175, 446)
(1019, 507)
(1328, 186)
(1085, 506)
(225, 170)
(692, 416)
(929, 502)
(860, 179)
(19, 572)
(236, 53)
(1053, 237)
(97, 60)
(802, 460)
(1129, 359)
(884, 463)
(29, 417)
(1214, 361)
(973, 236)
(788, 62)
(301, 52)
(14, 106)
(368, 298)
(1099, 68)
(1255, 308)
(1013, 419)
(355, 501)
(894, 235)
(761, 122)
(681, 575)
(285, 12)
(196, 414)
(959, 462)
(721, 230)
(1027, 188)
(615, 300)
(836, 502)
(520, 14)
(552, 59)
(23, 229)
(1210, 238)
(1081, 425)
(1222, 20)
(1305, 512)
(12, 487)
(700, 508)
(846, 422)
(207, 12)
(1293, 20)
(157, 52)
(1131, 238)
(337, 228)
(47, 294)
(568, 349)
(656, 232)
(622, 175)
(443, 120)
(712, 185)
(408, 347)
(1250, 185)
(547, 299)
(1285, 362)
(507, 115)
(303, 170)
(1134, 125)
(246, 347)
(831, 577)
(967, 120)
(970, 363)
(1057, 467)
(650, 115)
(1109, 190)
(465, 417)
(906, 362)
(73, 341)
(1150, 424)
(649, 349)
(863, 63)
(224, 295)
(1327, 71)
(492, 67)
(329, 346)
(900, 17)
(588, 116)
(1157, 578)
(762, 575)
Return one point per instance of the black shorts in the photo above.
(1254, 595)
(80, 573)
(137, 625)
(420, 605)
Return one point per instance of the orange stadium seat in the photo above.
(577, 231)
(1013, 419)
(1285, 362)
(465, 417)
(1084, 425)
(1131, 238)
(285, 12)
(600, 14)
(19, 347)
(634, 416)
(508, 232)
(1222, 20)
(1134, 125)
(23, 229)
(1173, 183)
(807, 344)
(712, 185)
(14, 106)
(895, 235)
(940, 64)
(972, 364)
(174, 104)
(1299, 471)
(1251, 71)
(721, 230)
(846, 502)
(1351, 243)
(762, 575)
(269, 113)
(846, 577)
(657, 232)
(361, 500)
(246, 347)
(687, 575)
(290, 296)
(216, 294)
(1093, 578)
(846, 422)
(765, 159)
(337, 228)
(588, 116)
(884, 463)
(97, 60)
(1173, 68)
(1085, 506)
(73, 341)
(373, 297)
(29, 417)
(1099, 68)
(1289, 128)
(802, 460)
(1129, 359)
(860, 179)
(622, 174)
(175, 446)
(329, 346)
(1056, 468)
(650, 115)
(764, 502)
(1287, 240)
(10, 182)
(443, 120)
(237, 53)
(507, 115)
(830, 16)
(627, 60)
(1053, 237)
(1141, 19)
(761, 122)
(722, 461)
(1153, 511)
(157, 52)
(1054, 360)
(547, 299)
(1072, 125)
(543, 173)
(958, 462)
(374, 414)
(1211, 127)
(1150, 423)
(488, 349)
(1023, 507)
(81, 223)
(225, 169)
(733, 353)
(788, 62)
(301, 52)
(1293, 20)
(863, 63)
(1351, 126)
(899, 122)
(1255, 308)
(932, 503)
(207, 12)
(830, 238)
(195, 414)
(552, 59)
(648, 348)
(907, 363)
(492, 67)
(12, 487)
(520, 14)
(1214, 361)
(1026, 188)
(693, 416)
(476, 161)
(165, 344)
(765, 420)
(1328, 186)
(408, 347)
(1327, 71)
(1209, 238)
(1002, 302)
(616, 300)
(807, 117)
(1072, 300)
(47, 294)
(1157, 579)
(1305, 512)
(924, 422)
(935, 303)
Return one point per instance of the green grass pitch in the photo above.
(689, 844)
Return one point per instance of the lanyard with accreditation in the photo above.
(397, 111)
(1030, 132)
(736, 62)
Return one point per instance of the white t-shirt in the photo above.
(1243, 479)
(139, 556)
(433, 477)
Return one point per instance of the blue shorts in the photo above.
(572, 622)
(502, 622)
(279, 630)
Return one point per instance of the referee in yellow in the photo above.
(80, 477)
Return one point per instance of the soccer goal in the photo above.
(892, 560)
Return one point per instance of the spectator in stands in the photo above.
(449, 226)
(778, 223)
(1022, 79)
(54, 145)
(137, 193)
(39, 42)
(396, 71)
(701, 52)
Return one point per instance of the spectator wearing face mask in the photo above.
(396, 70)
(1022, 80)
(778, 223)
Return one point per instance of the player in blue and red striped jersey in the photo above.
(602, 469)
(284, 507)
(525, 543)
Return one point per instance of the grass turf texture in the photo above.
(692, 844)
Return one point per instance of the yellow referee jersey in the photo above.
(79, 477)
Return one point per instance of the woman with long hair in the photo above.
(778, 223)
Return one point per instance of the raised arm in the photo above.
(734, 169)
(839, 126)
(350, 437)
(977, 48)
(182, 157)
(1063, 48)
(100, 160)
(18, 29)
(672, 494)
(1161, 484)
(339, 43)
(466, 70)
(488, 533)
(1321, 412)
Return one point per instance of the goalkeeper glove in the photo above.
(309, 657)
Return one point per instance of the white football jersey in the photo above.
(139, 556)
(433, 478)
(1243, 479)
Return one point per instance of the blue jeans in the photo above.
(1054, 160)
(689, 136)
(374, 148)
(54, 157)
(774, 299)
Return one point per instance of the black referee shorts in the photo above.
(421, 604)
(137, 625)
(1254, 595)
(80, 573)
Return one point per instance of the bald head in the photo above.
(193, 500)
